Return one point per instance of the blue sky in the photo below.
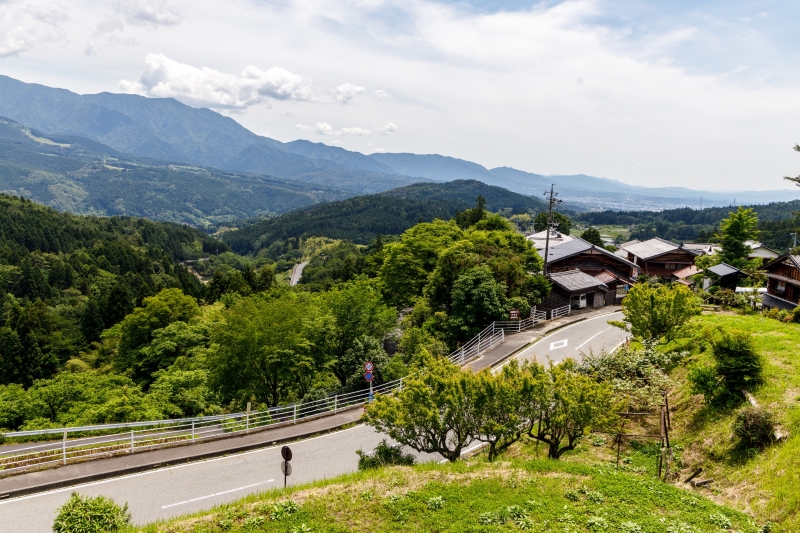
(700, 94)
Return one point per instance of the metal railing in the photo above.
(108, 440)
(561, 311)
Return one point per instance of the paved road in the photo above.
(188, 488)
(592, 335)
(297, 273)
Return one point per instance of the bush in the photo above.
(385, 454)
(753, 427)
(738, 364)
(89, 515)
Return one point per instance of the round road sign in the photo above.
(368, 366)
(368, 376)
(286, 468)
(286, 453)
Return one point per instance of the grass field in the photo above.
(520, 492)
(766, 484)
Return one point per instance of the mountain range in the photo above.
(167, 130)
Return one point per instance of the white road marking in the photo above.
(559, 344)
(217, 494)
(592, 337)
(154, 471)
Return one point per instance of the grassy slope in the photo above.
(564, 496)
(766, 484)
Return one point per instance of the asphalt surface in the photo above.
(591, 335)
(173, 491)
(297, 273)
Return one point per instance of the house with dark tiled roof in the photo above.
(783, 282)
(615, 272)
(723, 275)
(658, 257)
(576, 289)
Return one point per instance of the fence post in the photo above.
(335, 403)
(247, 420)
(295, 413)
(192, 431)
(132, 445)
(64, 446)
(462, 356)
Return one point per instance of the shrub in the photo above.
(753, 427)
(83, 514)
(738, 364)
(385, 454)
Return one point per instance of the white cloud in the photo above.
(387, 129)
(380, 94)
(762, 15)
(147, 12)
(166, 78)
(23, 26)
(346, 92)
(323, 128)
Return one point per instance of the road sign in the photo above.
(286, 453)
(286, 469)
(368, 366)
(513, 314)
(368, 376)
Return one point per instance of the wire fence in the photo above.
(78, 444)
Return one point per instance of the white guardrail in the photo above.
(101, 441)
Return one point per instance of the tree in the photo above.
(739, 227)
(477, 299)
(264, 346)
(797, 179)
(562, 222)
(503, 405)
(434, 412)
(92, 321)
(653, 313)
(137, 330)
(593, 236)
(470, 217)
(357, 312)
(570, 406)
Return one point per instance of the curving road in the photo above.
(177, 490)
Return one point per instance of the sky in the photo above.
(699, 94)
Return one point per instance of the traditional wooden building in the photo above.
(783, 282)
(614, 271)
(576, 289)
(722, 275)
(659, 257)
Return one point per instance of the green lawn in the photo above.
(516, 493)
(765, 484)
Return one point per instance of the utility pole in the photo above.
(795, 239)
(552, 200)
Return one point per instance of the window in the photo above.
(670, 266)
(780, 287)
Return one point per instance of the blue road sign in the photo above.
(368, 376)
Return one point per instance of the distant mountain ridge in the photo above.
(166, 129)
(392, 212)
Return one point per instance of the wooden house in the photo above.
(783, 282)
(659, 257)
(576, 289)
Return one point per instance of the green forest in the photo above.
(361, 219)
(101, 323)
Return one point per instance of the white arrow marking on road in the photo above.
(558, 344)
(592, 337)
(217, 494)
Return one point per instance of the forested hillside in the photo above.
(360, 219)
(776, 222)
(85, 177)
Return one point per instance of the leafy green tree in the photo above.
(358, 312)
(408, 263)
(177, 339)
(33, 281)
(470, 217)
(265, 346)
(434, 412)
(137, 330)
(562, 222)
(593, 236)
(503, 407)
(118, 305)
(737, 367)
(570, 406)
(181, 393)
(477, 299)
(13, 406)
(92, 321)
(739, 227)
(657, 312)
